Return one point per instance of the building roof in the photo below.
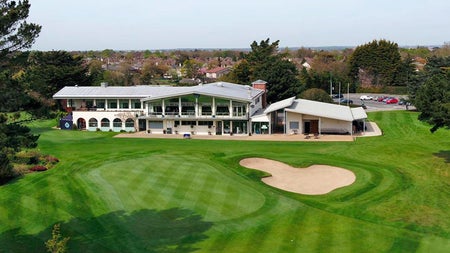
(359, 113)
(321, 109)
(259, 81)
(145, 92)
(279, 105)
(217, 89)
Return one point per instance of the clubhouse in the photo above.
(219, 108)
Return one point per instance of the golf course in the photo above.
(186, 195)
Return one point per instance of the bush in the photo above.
(51, 159)
(21, 169)
(38, 168)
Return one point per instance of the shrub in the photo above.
(51, 159)
(38, 168)
(21, 169)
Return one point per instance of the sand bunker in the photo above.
(314, 180)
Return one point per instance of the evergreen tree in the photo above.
(15, 32)
(381, 61)
(266, 63)
(433, 101)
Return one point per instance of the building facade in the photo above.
(209, 109)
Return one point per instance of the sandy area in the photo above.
(314, 180)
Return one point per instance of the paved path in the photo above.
(372, 130)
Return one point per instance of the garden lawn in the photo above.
(169, 195)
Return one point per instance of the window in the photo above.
(155, 124)
(89, 103)
(136, 104)
(129, 123)
(100, 103)
(206, 110)
(117, 122)
(188, 110)
(239, 109)
(293, 125)
(123, 103)
(222, 110)
(112, 104)
(205, 123)
(105, 122)
(93, 122)
(188, 123)
(240, 127)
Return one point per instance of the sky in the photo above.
(170, 24)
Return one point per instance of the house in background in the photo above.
(216, 73)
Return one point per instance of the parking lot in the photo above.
(373, 105)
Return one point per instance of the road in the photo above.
(374, 105)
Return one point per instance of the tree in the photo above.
(152, 69)
(48, 72)
(190, 68)
(13, 137)
(433, 101)
(378, 61)
(96, 71)
(57, 244)
(316, 95)
(266, 63)
(435, 65)
(15, 32)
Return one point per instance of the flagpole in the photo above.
(339, 96)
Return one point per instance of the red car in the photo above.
(391, 101)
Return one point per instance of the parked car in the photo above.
(380, 99)
(346, 100)
(366, 97)
(402, 101)
(391, 101)
(337, 96)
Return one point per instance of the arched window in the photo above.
(81, 123)
(105, 122)
(93, 122)
(117, 122)
(129, 123)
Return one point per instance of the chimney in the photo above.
(104, 84)
(261, 85)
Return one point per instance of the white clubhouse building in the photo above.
(207, 109)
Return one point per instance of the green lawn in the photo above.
(156, 195)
